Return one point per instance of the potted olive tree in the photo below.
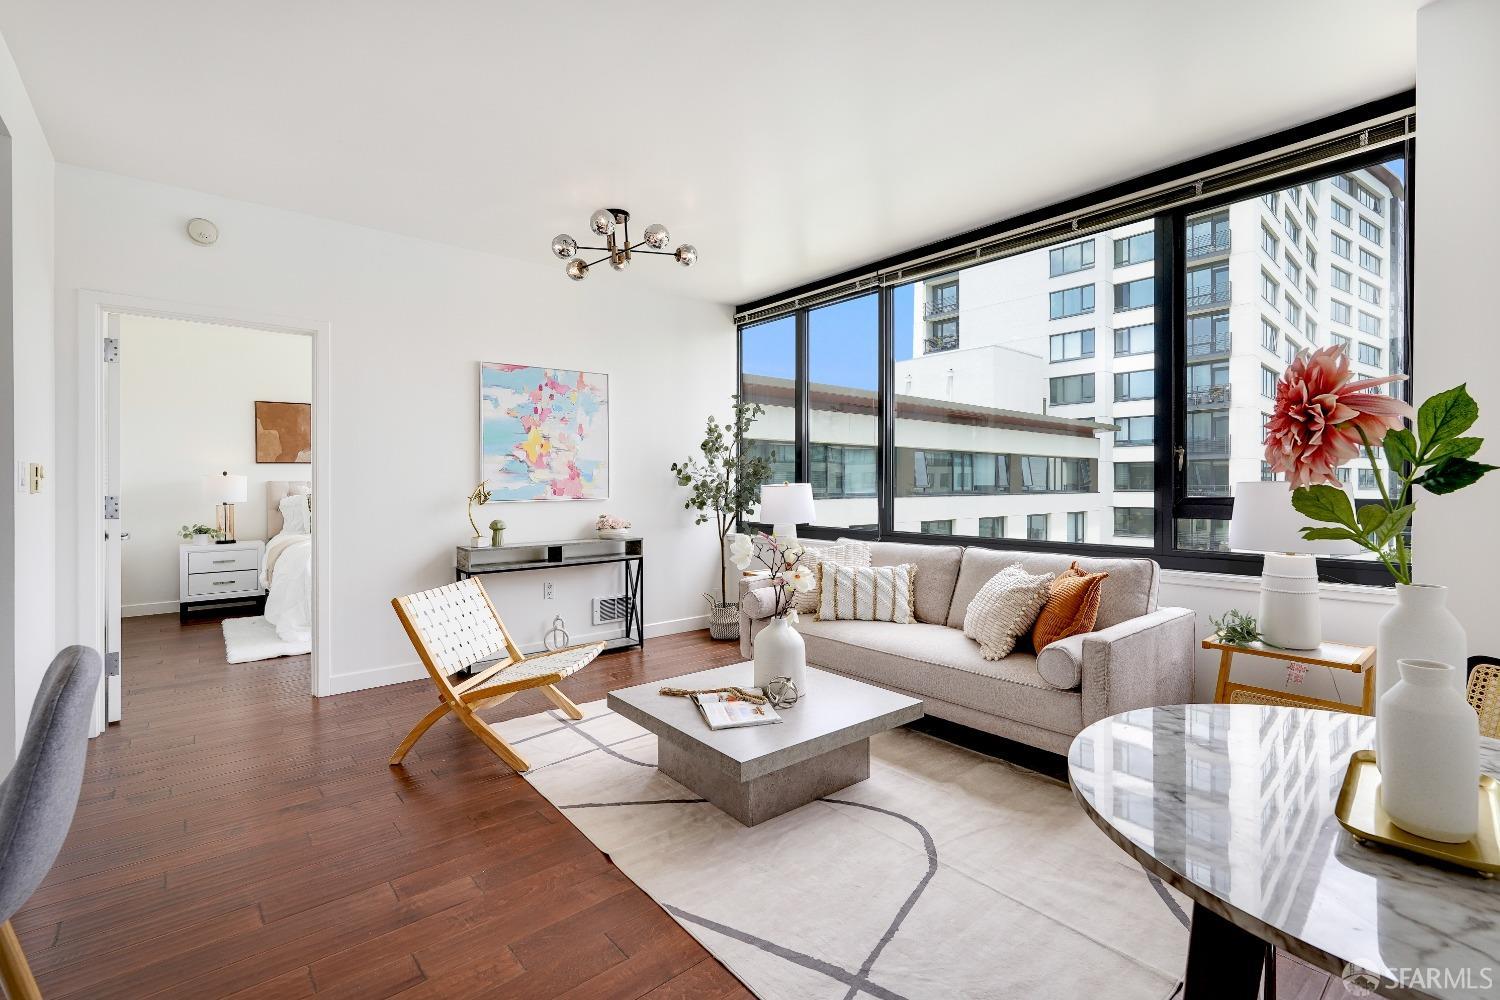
(723, 483)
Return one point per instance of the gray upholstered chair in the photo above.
(39, 795)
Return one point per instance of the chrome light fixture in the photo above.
(614, 225)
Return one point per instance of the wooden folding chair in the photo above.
(455, 628)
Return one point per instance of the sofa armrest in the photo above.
(752, 609)
(1140, 663)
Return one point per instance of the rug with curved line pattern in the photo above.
(947, 874)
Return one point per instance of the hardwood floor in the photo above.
(238, 838)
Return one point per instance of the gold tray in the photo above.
(1359, 811)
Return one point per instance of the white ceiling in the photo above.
(787, 140)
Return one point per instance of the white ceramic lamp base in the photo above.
(1290, 617)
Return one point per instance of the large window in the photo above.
(1007, 438)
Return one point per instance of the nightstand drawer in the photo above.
(209, 584)
(223, 561)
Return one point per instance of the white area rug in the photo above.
(248, 639)
(947, 874)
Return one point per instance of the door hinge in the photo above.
(111, 349)
(111, 664)
(111, 508)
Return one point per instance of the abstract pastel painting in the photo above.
(543, 432)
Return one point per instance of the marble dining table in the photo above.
(1232, 805)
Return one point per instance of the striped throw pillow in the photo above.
(866, 593)
(848, 552)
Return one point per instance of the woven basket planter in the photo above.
(724, 621)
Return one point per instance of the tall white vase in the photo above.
(1429, 778)
(1419, 627)
(780, 652)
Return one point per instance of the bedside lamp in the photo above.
(785, 507)
(1265, 521)
(226, 491)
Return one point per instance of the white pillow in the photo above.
(1005, 609)
(866, 593)
(296, 514)
(848, 552)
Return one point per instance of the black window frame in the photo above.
(1169, 504)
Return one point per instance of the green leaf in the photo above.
(1371, 517)
(1324, 503)
(1393, 524)
(1452, 474)
(1461, 447)
(1329, 535)
(1446, 415)
(1400, 447)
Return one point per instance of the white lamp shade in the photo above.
(788, 503)
(1265, 521)
(226, 488)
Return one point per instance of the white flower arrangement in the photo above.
(783, 560)
(611, 522)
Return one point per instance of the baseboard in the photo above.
(154, 608)
(401, 673)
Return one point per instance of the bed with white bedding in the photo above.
(286, 628)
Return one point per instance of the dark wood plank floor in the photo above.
(238, 838)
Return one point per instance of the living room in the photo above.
(1008, 532)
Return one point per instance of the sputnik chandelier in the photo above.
(614, 225)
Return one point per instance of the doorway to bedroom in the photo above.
(208, 449)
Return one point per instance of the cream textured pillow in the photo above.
(848, 552)
(1005, 609)
(866, 594)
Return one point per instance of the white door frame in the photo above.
(94, 310)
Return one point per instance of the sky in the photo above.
(844, 342)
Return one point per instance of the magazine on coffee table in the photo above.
(726, 711)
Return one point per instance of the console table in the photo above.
(522, 557)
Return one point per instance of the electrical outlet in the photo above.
(547, 590)
(34, 477)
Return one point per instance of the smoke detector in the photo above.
(202, 232)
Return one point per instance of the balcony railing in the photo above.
(1208, 246)
(941, 309)
(1208, 396)
(1208, 447)
(1216, 296)
(1217, 344)
(1217, 490)
(934, 345)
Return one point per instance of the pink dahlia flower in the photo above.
(1319, 414)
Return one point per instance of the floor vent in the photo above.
(608, 610)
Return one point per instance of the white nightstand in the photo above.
(214, 576)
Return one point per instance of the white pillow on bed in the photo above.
(296, 514)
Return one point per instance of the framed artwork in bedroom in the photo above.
(283, 433)
(543, 432)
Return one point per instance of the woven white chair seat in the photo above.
(563, 663)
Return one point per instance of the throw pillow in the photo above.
(1072, 607)
(866, 593)
(848, 552)
(1005, 609)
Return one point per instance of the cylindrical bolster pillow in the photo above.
(1061, 663)
(759, 603)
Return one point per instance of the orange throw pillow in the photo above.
(1072, 607)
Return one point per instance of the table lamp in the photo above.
(1265, 521)
(786, 506)
(226, 491)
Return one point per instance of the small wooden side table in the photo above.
(1359, 660)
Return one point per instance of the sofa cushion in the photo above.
(937, 572)
(939, 662)
(846, 552)
(1071, 608)
(865, 593)
(1005, 609)
(1129, 592)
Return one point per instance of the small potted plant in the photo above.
(612, 526)
(480, 496)
(198, 534)
(497, 532)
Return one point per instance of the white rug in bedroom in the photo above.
(248, 639)
(946, 874)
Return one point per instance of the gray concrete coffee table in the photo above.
(821, 745)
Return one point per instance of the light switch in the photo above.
(34, 477)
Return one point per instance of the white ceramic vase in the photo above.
(1419, 627)
(780, 652)
(1429, 776)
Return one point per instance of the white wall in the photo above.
(187, 410)
(1457, 219)
(27, 554)
(410, 321)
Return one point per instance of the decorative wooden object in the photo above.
(1359, 660)
(1484, 695)
(456, 628)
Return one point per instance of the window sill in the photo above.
(1347, 592)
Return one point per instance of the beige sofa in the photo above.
(1138, 655)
